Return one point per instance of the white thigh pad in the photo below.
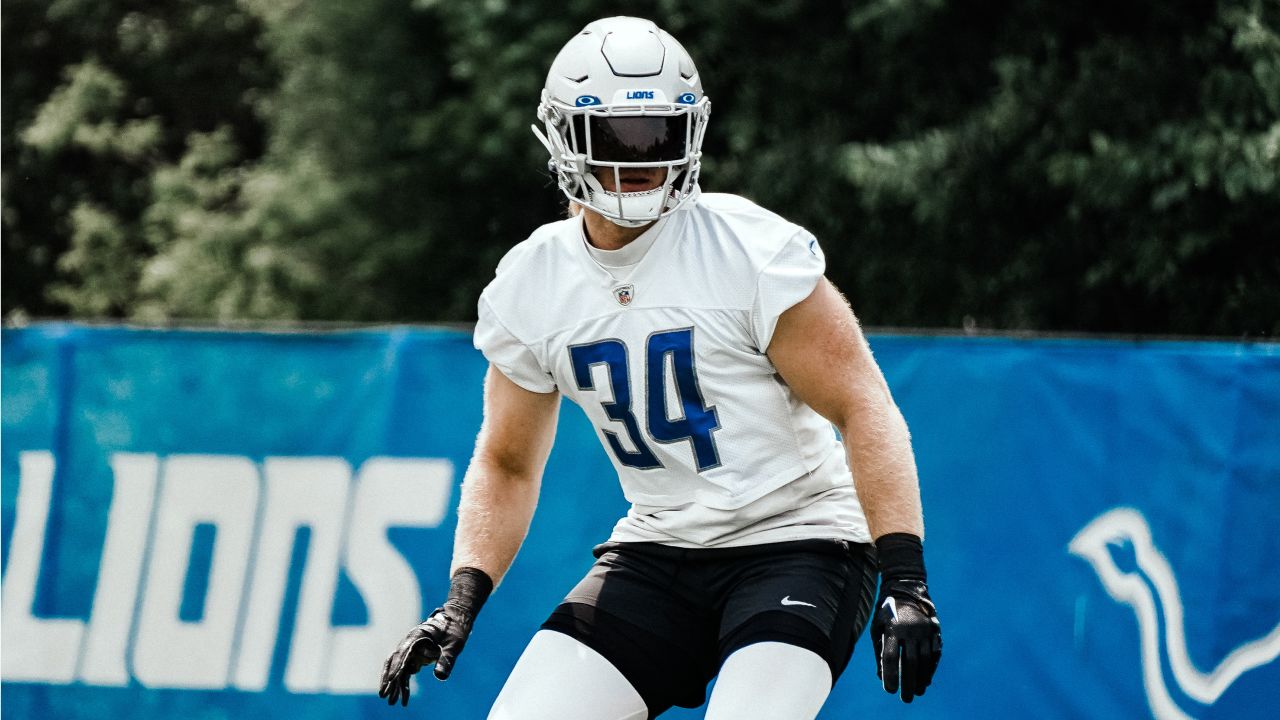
(559, 678)
(770, 681)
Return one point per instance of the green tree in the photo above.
(1122, 175)
(97, 96)
(396, 173)
(1017, 164)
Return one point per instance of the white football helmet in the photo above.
(624, 94)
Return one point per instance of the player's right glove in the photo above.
(438, 639)
(905, 630)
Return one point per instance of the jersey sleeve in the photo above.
(787, 279)
(512, 357)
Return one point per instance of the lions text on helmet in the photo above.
(623, 111)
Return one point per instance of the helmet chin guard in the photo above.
(624, 94)
(633, 209)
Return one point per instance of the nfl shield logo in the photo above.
(624, 294)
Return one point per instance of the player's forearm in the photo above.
(878, 445)
(493, 517)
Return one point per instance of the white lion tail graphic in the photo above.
(1122, 525)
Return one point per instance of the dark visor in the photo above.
(638, 139)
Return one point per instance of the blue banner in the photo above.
(243, 524)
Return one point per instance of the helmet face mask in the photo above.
(654, 115)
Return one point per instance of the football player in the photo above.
(699, 335)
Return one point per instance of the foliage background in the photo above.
(1003, 164)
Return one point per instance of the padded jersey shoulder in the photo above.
(531, 276)
(529, 268)
(541, 245)
(743, 228)
(757, 229)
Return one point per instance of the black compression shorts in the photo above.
(668, 617)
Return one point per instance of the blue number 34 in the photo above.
(696, 422)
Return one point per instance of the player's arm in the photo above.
(500, 490)
(821, 353)
(499, 494)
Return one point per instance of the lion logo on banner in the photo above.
(1125, 530)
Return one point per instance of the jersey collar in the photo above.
(631, 253)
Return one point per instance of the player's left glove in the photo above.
(905, 632)
(438, 639)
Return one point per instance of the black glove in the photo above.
(905, 630)
(439, 639)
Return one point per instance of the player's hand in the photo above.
(439, 639)
(906, 636)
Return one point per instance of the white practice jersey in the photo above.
(666, 355)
